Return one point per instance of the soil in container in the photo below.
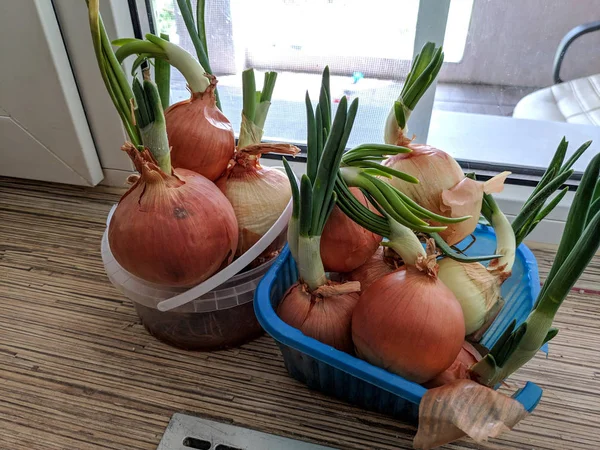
(214, 330)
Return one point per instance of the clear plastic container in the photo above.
(218, 313)
(221, 318)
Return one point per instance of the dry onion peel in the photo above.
(460, 368)
(461, 408)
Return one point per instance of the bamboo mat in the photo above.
(78, 371)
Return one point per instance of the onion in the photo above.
(174, 229)
(376, 267)
(460, 368)
(409, 323)
(258, 194)
(443, 187)
(320, 308)
(476, 289)
(200, 135)
(345, 245)
(324, 315)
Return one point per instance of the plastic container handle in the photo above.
(232, 269)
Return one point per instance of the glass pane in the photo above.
(367, 49)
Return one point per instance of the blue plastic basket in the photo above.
(344, 376)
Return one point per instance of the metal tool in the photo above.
(186, 432)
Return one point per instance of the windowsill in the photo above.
(508, 142)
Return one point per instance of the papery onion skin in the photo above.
(259, 195)
(410, 324)
(372, 270)
(200, 135)
(438, 173)
(174, 230)
(345, 245)
(326, 319)
(460, 368)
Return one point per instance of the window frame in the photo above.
(511, 200)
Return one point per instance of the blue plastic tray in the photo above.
(344, 376)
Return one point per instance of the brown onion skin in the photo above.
(175, 230)
(372, 270)
(459, 369)
(326, 319)
(200, 135)
(345, 245)
(447, 174)
(408, 323)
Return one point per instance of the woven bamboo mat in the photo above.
(78, 371)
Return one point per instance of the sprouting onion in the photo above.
(196, 28)
(409, 322)
(425, 67)
(360, 168)
(258, 194)
(200, 135)
(255, 107)
(151, 122)
(535, 208)
(318, 307)
(443, 188)
(172, 227)
(478, 288)
(579, 243)
(114, 79)
(162, 77)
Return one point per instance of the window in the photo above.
(368, 50)
(496, 53)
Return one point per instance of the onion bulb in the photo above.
(174, 229)
(460, 368)
(200, 135)
(476, 289)
(258, 194)
(443, 187)
(324, 314)
(345, 245)
(409, 323)
(376, 267)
